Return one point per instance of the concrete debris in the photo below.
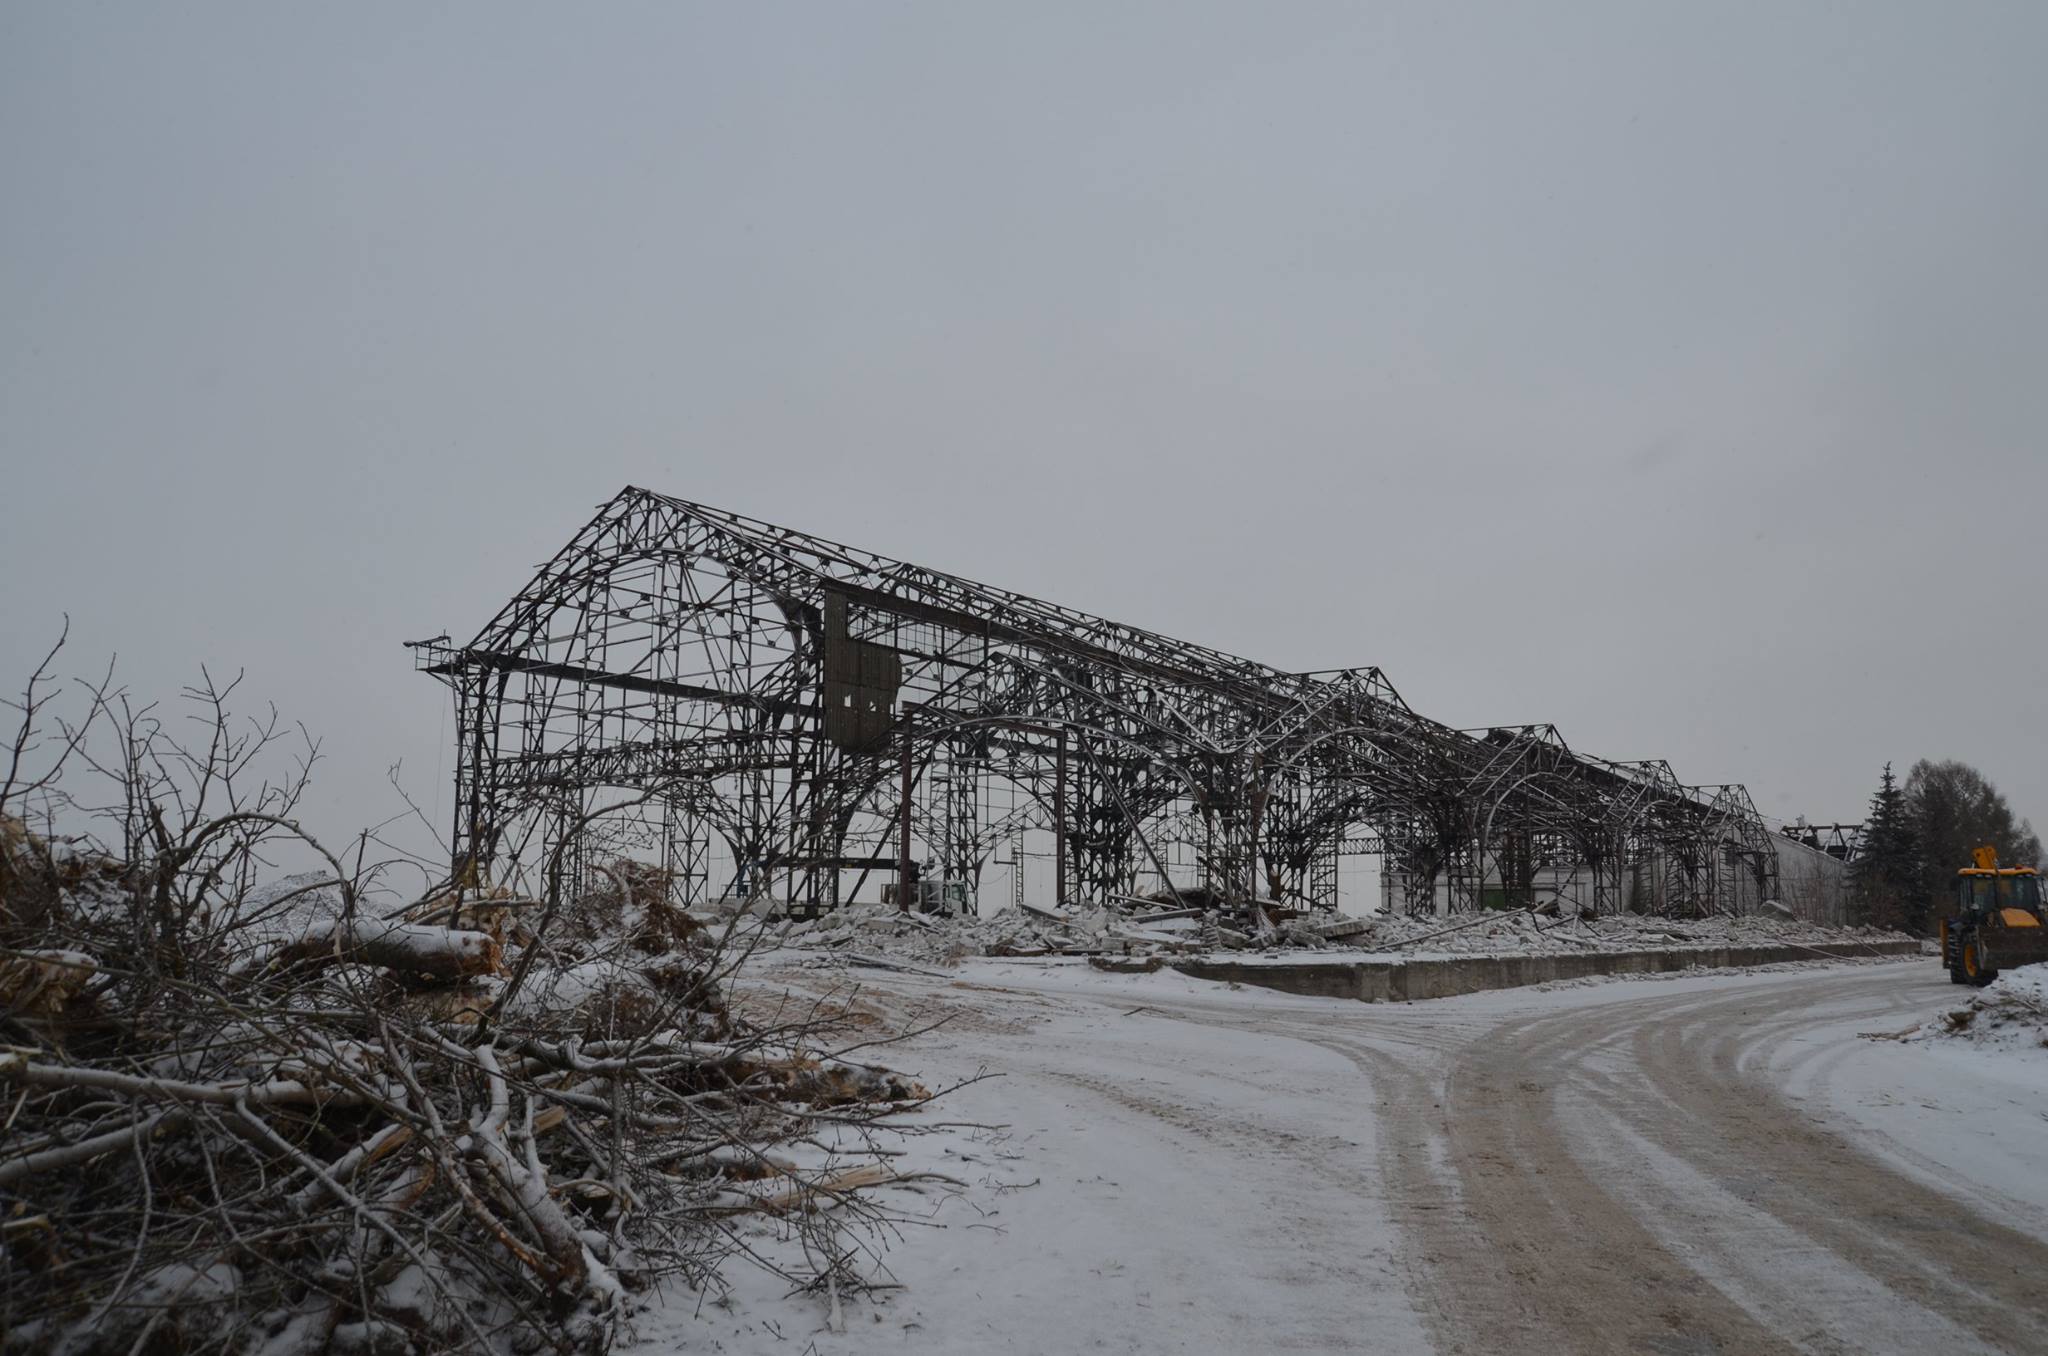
(874, 931)
(875, 934)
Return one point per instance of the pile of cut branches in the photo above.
(310, 1117)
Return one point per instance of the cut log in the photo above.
(407, 948)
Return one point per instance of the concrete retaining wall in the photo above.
(1396, 981)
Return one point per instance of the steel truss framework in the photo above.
(1843, 842)
(827, 716)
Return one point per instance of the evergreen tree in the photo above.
(1954, 808)
(1885, 880)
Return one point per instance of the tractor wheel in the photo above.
(1955, 975)
(1974, 970)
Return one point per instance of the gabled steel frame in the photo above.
(1843, 842)
(672, 656)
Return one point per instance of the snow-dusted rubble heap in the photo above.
(1524, 933)
(2010, 1015)
(286, 1121)
(936, 939)
(877, 930)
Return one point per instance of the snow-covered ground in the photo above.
(1943, 1091)
(1699, 1163)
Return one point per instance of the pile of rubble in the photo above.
(1190, 925)
(1526, 933)
(937, 939)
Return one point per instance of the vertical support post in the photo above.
(1059, 825)
(1255, 793)
(1479, 855)
(903, 825)
(797, 849)
(476, 720)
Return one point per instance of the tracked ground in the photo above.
(1610, 1170)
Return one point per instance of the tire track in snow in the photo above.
(1617, 1172)
(1602, 1179)
(1924, 1244)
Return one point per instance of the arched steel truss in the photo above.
(831, 716)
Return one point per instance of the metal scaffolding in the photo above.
(786, 718)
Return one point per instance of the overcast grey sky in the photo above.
(1674, 373)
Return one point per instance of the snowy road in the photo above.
(1698, 1165)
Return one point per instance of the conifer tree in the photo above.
(1885, 879)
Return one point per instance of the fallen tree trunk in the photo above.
(408, 948)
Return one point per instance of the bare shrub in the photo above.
(319, 1115)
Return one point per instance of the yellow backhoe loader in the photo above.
(1997, 923)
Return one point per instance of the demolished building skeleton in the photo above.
(823, 711)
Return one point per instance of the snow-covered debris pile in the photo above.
(2009, 1014)
(1522, 932)
(1155, 928)
(939, 939)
